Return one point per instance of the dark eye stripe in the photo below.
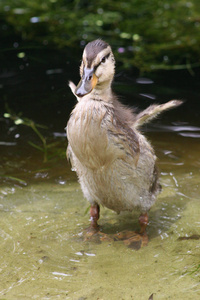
(106, 57)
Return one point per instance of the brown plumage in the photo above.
(115, 163)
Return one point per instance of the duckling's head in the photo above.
(97, 68)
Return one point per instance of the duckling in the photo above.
(115, 163)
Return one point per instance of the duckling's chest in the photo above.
(87, 134)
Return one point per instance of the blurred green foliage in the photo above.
(149, 35)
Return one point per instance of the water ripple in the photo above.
(182, 130)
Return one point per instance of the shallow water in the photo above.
(42, 252)
(44, 214)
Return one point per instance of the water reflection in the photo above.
(7, 144)
(150, 96)
(144, 81)
(191, 131)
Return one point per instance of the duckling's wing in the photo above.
(123, 140)
(153, 111)
(73, 88)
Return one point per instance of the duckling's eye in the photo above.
(103, 59)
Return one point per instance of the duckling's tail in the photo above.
(153, 111)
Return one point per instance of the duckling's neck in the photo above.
(102, 93)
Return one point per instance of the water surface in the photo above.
(44, 214)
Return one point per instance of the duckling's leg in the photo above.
(143, 221)
(93, 233)
(94, 216)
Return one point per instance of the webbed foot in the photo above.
(95, 235)
(132, 239)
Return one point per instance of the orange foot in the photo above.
(95, 235)
(132, 239)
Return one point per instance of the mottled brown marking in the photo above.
(155, 185)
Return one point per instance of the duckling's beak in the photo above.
(87, 82)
